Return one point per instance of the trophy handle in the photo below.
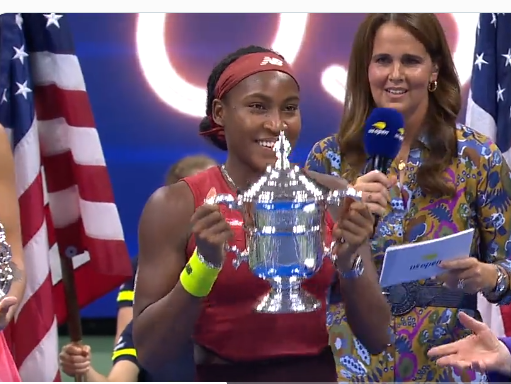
(336, 197)
(241, 256)
(232, 203)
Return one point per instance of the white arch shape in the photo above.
(333, 78)
(170, 87)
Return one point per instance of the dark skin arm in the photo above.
(164, 313)
(367, 310)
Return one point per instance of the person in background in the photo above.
(125, 302)
(10, 220)
(187, 166)
(184, 287)
(76, 360)
(481, 351)
(449, 179)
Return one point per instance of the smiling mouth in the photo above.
(396, 92)
(266, 144)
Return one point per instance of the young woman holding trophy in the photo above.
(187, 284)
(12, 271)
(187, 166)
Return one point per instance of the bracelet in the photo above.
(208, 264)
(197, 277)
(356, 270)
(501, 286)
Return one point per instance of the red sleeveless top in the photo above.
(228, 325)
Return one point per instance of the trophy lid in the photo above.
(283, 183)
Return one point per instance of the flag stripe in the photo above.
(51, 133)
(54, 103)
(44, 316)
(34, 218)
(30, 370)
(61, 165)
(27, 148)
(64, 71)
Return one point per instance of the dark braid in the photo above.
(205, 124)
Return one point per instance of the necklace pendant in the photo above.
(401, 166)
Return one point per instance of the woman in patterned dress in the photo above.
(446, 178)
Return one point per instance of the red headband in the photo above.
(238, 71)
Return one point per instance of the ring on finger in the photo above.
(343, 242)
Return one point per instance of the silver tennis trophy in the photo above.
(6, 272)
(284, 221)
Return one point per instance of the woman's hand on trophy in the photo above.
(5, 305)
(375, 187)
(352, 230)
(211, 231)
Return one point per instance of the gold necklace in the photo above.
(229, 179)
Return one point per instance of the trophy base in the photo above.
(292, 300)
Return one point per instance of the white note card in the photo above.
(419, 261)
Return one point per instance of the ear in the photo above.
(218, 110)
(434, 73)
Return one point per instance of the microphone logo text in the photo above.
(400, 135)
(379, 129)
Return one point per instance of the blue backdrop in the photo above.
(142, 128)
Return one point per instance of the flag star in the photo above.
(494, 19)
(53, 18)
(480, 60)
(4, 96)
(19, 20)
(500, 93)
(20, 54)
(507, 56)
(23, 89)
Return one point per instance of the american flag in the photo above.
(489, 112)
(64, 191)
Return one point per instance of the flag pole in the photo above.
(74, 322)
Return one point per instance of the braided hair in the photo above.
(205, 124)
